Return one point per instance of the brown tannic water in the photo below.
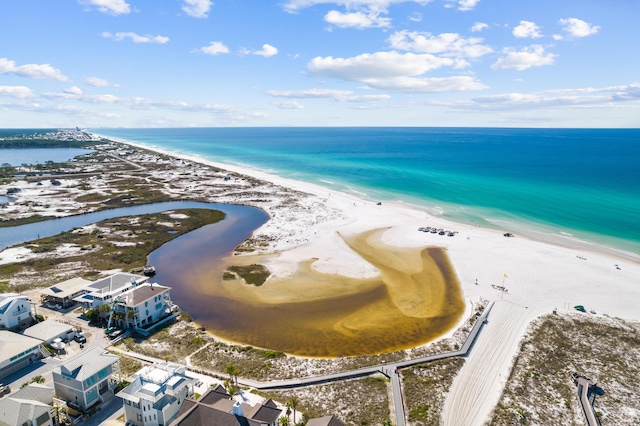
(416, 298)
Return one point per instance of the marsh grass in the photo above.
(103, 248)
(356, 402)
(252, 274)
(425, 387)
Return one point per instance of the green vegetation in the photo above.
(122, 243)
(252, 274)
(540, 389)
(360, 401)
(425, 389)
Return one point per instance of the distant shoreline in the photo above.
(548, 234)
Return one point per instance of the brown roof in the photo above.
(325, 421)
(143, 293)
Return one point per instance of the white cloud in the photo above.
(336, 95)
(429, 85)
(73, 90)
(20, 92)
(136, 38)
(559, 98)
(577, 27)
(527, 29)
(447, 44)
(394, 71)
(267, 51)
(360, 19)
(416, 17)
(463, 5)
(528, 57)
(112, 7)
(197, 8)
(377, 65)
(214, 48)
(288, 105)
(99, 82)
(479, 26)
(296, 5)
(31, 70)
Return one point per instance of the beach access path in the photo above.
(389, 369)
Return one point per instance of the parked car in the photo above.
(4, 390)
(80, 338)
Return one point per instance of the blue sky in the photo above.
(175, 63)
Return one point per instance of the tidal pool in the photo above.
(415, 299)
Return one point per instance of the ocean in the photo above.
(568, 185)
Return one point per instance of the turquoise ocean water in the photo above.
(563, 184)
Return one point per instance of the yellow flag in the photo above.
(506, 276)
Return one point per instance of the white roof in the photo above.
(115, 283)
(12, 344)
(6, 298)
(66, 288)
(47, 330)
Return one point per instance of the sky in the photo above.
(204, 63)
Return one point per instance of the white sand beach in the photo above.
(538, 276)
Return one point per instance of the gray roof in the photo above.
(25, 404)
(215, 408)
(87, 363)
(115, 282)
(47, 330)
(66, 288)
(12, 344)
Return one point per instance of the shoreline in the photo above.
(539, 276)
(536, 231)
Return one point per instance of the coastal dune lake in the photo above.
(416, 298)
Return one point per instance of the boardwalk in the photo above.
(387, 369)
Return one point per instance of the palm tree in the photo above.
(233, 372)
(37, 379)
(293, 403)
(284, 421)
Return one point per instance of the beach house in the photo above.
(62, 295)
(15, 311)
(216, 407)
(143, 306)
(17, 351)
(156, 394)
(88, 378)
(29, 406)
(106, 289)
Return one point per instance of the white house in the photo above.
(105, 290)
(156, 394)
(15, 311)
(84, 380)
(143, 305)
(17, 351)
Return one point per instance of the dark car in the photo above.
(80, 338)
